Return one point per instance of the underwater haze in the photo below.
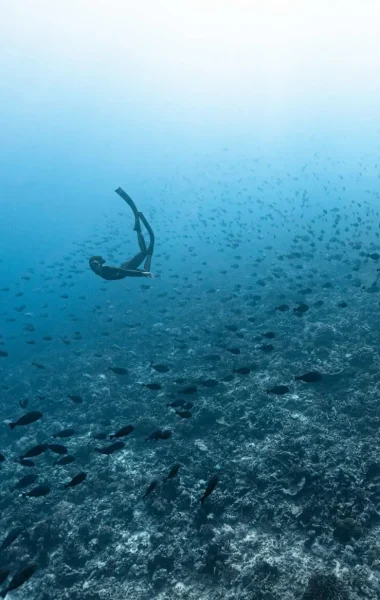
(189, 367)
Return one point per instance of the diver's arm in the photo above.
(115, 273)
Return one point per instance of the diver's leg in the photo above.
(135, 262)
(150, 248)
(130, 203)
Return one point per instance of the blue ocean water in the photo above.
(248, 135)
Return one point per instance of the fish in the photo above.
(3, 354)
(190, 389)
(310, 377)
(161, 368)
(65, 460)
(282, 308)
(233, 350)
(4, 575)
(75, 398)
(25, 481)
(122, 432)
(300, 309)
(152, 386)
(176, 403)
(269, 335)
(64, 433)
(278, 390)
(24, 403)
(25, 462)
(76, 480)
(173, 471)
(11, 537)
(228, 378)
(184, 414)
(242, 370)
(209, 383)
(35, 451)
(374, 256)
(210, 488)
(266, 348)
(2, 457)
(150, 488)
(100, 436)
(19, 578)
(37, 492)
(27, 419)
(111, 448)
(38, 365)
(58, 448)
(159, 435)
(118, 370)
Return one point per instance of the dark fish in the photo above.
(122, 432)
(266, 348)
(26, 419)
(233, 350)
(152, 386)
(242, 370)
(269, 335)
(76, 399)
(282, 307)
(118, 370)
(100, 436)
(318, 304)
(228, 378)
(310, 377)
(35, 451)
(161, 368)
(159, 435)
(38, 365)
(180, 381)
(187, 405)
(25, 462)
(58, 448)
(212, 357)
(184, 414)
(76, 480)
(3, 575)
(19, 578)
(300, 309)
(24, 403)
(65, 433)
(3, 353)
(210, 383)
(65, 460)
(176, 403)
(40, 490)
(25, 481)
(190, 389)
(11, 537)
(173, 471)
(210, 488)
(150, 488)
(342, 304)
(111, 448)
(47, 338)
(374, 256)
(2, 457)
(279, 390)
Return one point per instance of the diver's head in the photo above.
(96, 263)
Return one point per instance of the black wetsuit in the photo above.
(129, 268)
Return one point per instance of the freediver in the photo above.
(129, 268)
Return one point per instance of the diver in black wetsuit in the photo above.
(129, 268)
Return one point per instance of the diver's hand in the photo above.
(148, 274)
